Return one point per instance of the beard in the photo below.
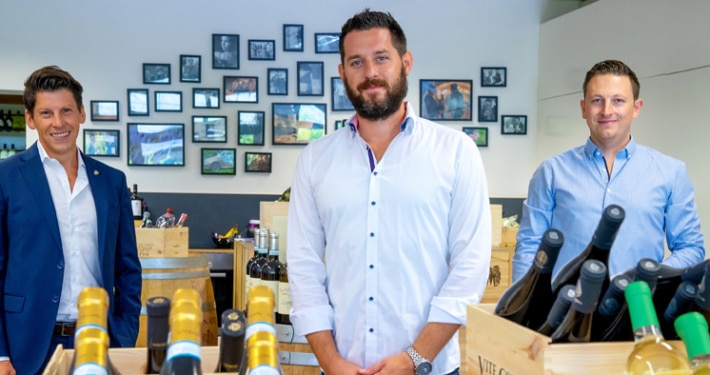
(374, 108)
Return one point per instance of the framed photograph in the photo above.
(156, 74)
(293, 38)
(219, 161)
(445, 100)
(250, 127)
(168, 101)
(514, 124)
(487, 109)
(156, 144)
(205, 98)
(327, 42)
(225, 51)
(190, 68)
(257, 162)
(310, 78)
(278, 81)
(297, 124)
(104, 110)
(102, 142)
(138, 102)
(262, 49)
(339, 100)
(479, 135)
(241, 89)
(494, 77)
(340, 123)
(209, 129)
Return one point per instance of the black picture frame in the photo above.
(209, 129)
(293, 38)
(241, 89)
(155, 144)
(277, 81)
(191, 68)
(205, 98)
(218, 161)
(514, 124)
(327, 42)
(487, 109)
(261, 49)
(138, 102)
(298, 123)
(225, 51)
(446, 99)
(102, 142)
(257, 162)
(168, 101)
(104, 110)
(340, 123)
(251, 128)
(310, 78)
(156, 74)
(339, 101)
(494, 76)
(479, 135)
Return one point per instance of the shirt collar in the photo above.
(45, 157)
(405, 127)
(591, 149)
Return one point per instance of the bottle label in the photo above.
(274, 285)
(136, 208)
(89, 369)
(182, 349)
(284, 305)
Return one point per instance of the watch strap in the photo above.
(417, 359)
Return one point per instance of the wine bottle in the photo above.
(598, 248)
(651, 353)
(91, 340)
(263, 354)
(136, 203)
(258, 264)
(158, 311)
(184, 356)
(693, 330)
(695, 272)
(558, 311)
(682, 302)
(611, 310)
(248, 283)
(166, 220)
(577, 325)
(702, 298)
(271, 274)
(283, 308)
(262, 345)
(534, 287)
(232, 346)
(648, 270)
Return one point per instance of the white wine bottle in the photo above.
(184, 354)
(693, 330)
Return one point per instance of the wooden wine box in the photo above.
(162, 242)
(494, 345)
(500, 274)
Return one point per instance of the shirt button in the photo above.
(375, 173)
(372, 234)
(372, 266)
(371, 299)
(372, 330)
(60, 265)
(372, 203)
(55, 299)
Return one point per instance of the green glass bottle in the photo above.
(693, 330)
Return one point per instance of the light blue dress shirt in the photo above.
(378, 249)
(569, 191)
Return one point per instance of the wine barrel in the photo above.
(162, 276)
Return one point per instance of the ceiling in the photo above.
(555, 8)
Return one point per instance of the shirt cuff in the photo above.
(450, 310)
(311, 320)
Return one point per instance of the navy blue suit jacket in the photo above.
(32, 261)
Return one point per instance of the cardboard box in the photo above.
(162, 242)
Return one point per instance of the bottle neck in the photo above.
(650, 332)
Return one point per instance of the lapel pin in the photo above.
(96, 173)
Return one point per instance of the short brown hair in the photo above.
(50, 78)
(614, 67)
(368, 19)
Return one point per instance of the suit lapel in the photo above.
(99, 189)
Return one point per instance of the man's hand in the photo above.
(6, 368)
(398, 364)
(340, 366)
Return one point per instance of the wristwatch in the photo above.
(422, 366)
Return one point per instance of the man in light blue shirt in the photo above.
(569, 191)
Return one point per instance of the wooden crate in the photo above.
(162, 242)
(500, 274)
(494, 345)
(243, 251)
(496, 224)
(508, 237)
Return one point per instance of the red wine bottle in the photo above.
(682, 302)
(158, 311)
(232, 348)
(558, 311)
(611, 304)
(702, 298)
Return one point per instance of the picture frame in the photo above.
(293, 38)
(277, 81)
(260, 49)
(240, 89)
(494, 76)
(191, 68)
(446, 99)
(257, 162)
(487, 109)
(156, 74)
(203, 97)
(225, 51)
(102, 142)
(209, 129)
(298, 123)
(138, 102)
(514, 124)
(310, 78)
(155, 144)
(218, 161)
(478, 134)
(339, 100)
(250, 128)
(340, 123)
(168, 101)
(327, 42)
(104, 110)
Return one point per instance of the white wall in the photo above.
(104, 44)
(666, 43)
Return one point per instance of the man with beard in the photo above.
(389, 229)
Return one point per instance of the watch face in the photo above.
(424, 368)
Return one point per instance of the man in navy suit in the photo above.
(65, 224)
